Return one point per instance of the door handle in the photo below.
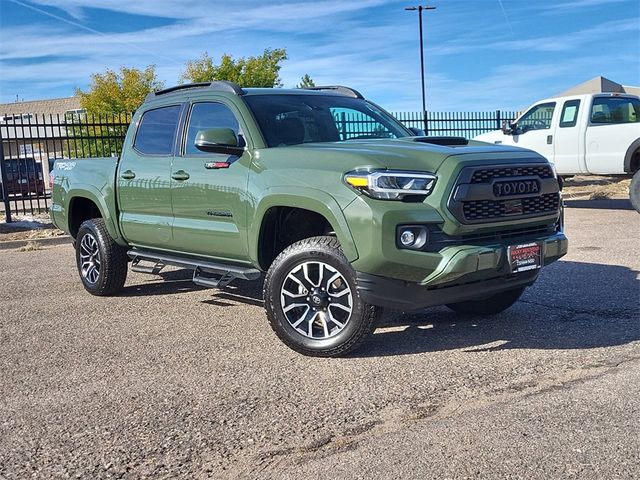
(128, 175)
(549, 139)
(180, 175)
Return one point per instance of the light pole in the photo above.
(420, 8)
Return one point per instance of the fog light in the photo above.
(407, 238)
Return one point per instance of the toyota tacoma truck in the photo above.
(590, 134)
(343, 208)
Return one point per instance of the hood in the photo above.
(494, 137)
(410, 153)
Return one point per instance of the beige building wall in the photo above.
(53, 106)
(599, 85)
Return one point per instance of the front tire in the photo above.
(102, 263)
(634, 191)
(312, 300)
(488, 306)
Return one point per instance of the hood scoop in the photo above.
(444, 141)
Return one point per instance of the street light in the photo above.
(420, 8)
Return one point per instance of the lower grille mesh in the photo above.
(486, 209)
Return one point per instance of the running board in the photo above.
(204, 271)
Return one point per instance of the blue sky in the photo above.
(480, 54)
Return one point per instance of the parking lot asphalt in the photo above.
(172, 380)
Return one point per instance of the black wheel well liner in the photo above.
(81, 209)
(632, 157)
(283, 226)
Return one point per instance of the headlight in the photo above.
(390, 184)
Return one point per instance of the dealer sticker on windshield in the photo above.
(525, 257)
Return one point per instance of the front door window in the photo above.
(537, 118)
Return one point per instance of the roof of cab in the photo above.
(232, 88)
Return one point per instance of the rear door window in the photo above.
(612, 110)
(569, 116)
(157, 131)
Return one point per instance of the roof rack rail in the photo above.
(340, 89)
(221, 85)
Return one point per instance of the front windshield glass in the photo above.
(294, 119)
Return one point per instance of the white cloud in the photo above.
(579, 5)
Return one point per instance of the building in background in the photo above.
(36, 129)
(52, 106)
(600, 85)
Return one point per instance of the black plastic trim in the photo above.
(465, 187)
(220, 85)
(443, 141)
(350, 92)
(407, 296)
(439, 240)
(245, 273)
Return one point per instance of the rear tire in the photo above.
(102, 263)
(634, 191)
(488, 306)
(312, 300)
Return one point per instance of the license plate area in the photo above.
(525, 257)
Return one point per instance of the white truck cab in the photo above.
(589, 134)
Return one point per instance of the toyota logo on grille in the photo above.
(516, 187)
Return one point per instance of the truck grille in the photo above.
(503, 192)
(486, 209)
(486, 174)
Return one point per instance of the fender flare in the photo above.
(90, 192)
(629, 155)
(307, 198)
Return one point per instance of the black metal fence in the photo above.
(29, 144)
(458, 124)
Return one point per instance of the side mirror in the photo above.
(218, 140)
(417, 132)
(507, 130)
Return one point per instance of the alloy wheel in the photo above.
(90, 259)
(316, 300)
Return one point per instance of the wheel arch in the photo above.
(632, 157)
(315, 202)
(84, 204)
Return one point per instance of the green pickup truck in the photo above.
(345, 209)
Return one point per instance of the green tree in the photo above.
(260, 71)
(118, 92)
(109, 102)
(306, 82)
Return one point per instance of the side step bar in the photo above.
(204, 271)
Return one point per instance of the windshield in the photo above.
(294, 119)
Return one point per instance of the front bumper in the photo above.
(464, 273)
(406, 296)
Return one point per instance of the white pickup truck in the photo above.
(592, 134)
